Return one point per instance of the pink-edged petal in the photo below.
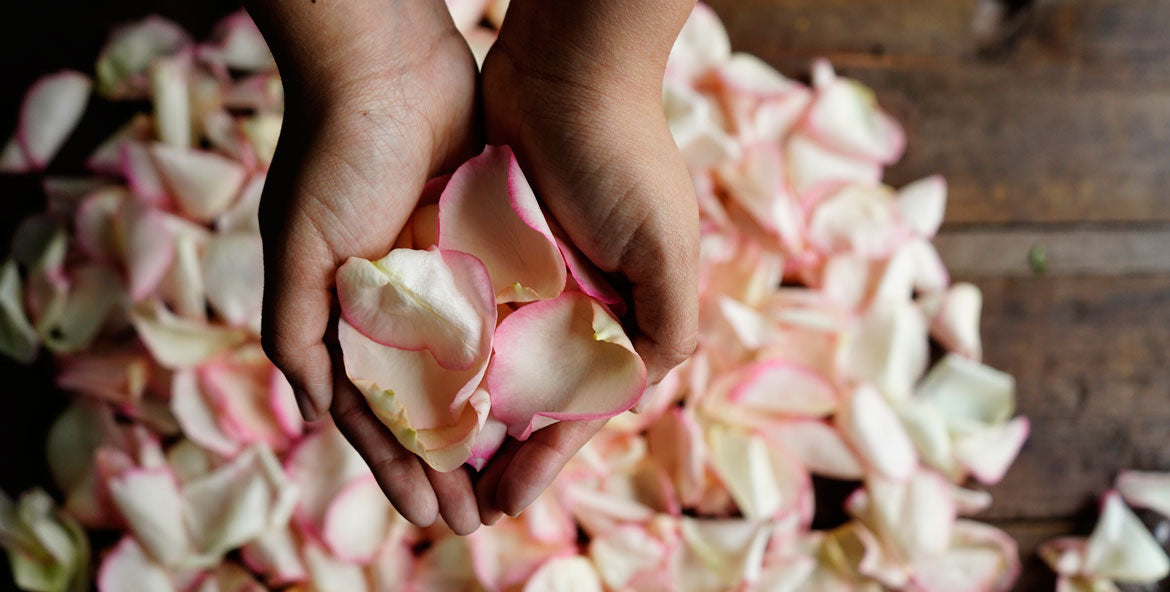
(233, 269)
(203, 183)
(93, 224)
(275, 555)
(152, 506)
(439, 301)
(320, 465)
(237, 44)
(981, 558)
(283, 403)
(877, 435)
(816, 444)
(489, 439)
(956, 323)
(812, 167)
(562, 359)
(625, 552)
(146, 245)
(171, 95)
(505, 555)
(1122, 549)
(565, 574)
(699, 136)
(122, 63)
(141, 173)
(357, 521)
(889, 348)
(589, 279)
(1146, 489)
(747, 74)
(676, 442)
(782, 387)
(176, 342)
(184, 286)
(431, 410)
(744, 464)
(857, 218)
(921, 205)
(729, 550)
(970, 395)
(989, 452)
(330, 574)
(393, 569)
(243, 215)
(235, 503)
(127, 567)
(18, 338)
(845, 116)
(237, 387)
(927, 427)
(51, 109)
(489, 210)
(119, 376)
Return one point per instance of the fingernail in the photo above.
(305, 404)
(491, 517)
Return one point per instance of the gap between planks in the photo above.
(1060, 252)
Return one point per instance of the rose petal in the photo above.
(203, 183)
(422, 403)
(321, 464)
(731, 550)
(275, 554)
(1122, 549)
(107, 157)
(74, 321)
(970, 395)
(489, 210)
(150, 501)
(171, 95)
(876, 434)
(233, 268)
(988, 453)
(782, 387)
(701, 45)
(562, 359)
(813, 167)
(889, 348)
(414, 300)
(357, 521)
(127, 567)
(625, 552)
(921, 205)
(147, 247)
(564, 574)
(857, 218)
(130, 50)
(487, 442)
(956, 324)
(176, 342)
(816, 444)
(18, 338)
(51, 109)
(330, 574)
(237, 44)
(845, 116)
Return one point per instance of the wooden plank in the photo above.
(1089, 356)
(1070, 125)
(1055, 251)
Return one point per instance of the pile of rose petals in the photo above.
(820, 291)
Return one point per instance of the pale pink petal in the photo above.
(1146, 489)
(117, 375)
(233, 504)
(489, 210)
(1122, 549)
(857, 218)
(51, 109)
(13, 159)
(425, 406)
(127, 567)
(956, 324)
(393, 569)
(122, 63)
(969, 502)
(233, 269)
(150, 501)
(877, 435)
(845, 116)
(357, 521)
(141, 173)
(203, 183)
(176, 342)
(284, 405)
(320, 465)
(625, 552)
(64, 193)
(676, 442)
(487, 442)
(693, 124)
(889, 348)
(237, 44)
(146, 245)
(981, 558)
(72, 323)
(238, 388)
(813, 167)
(243, 215)
(504, 555)
(330, 574)
(564, 574)
(275, 554)
(989, 452)
(562, 359)
(970, 395)
(921, 205)
(1064, 555)
(816, 444)
(439, 301)
(782, 387)
(927, 427)
(262, 131)
(730, 550)
(589, 279)
(93, 224)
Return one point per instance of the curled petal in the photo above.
(127, 567)
(146, 244)
(239, 45)
(203, 183)
(956, 324)
(433, 411)
(1146, 489)
(857, 218)
(564, 574)
(176, 342)
(565, 358)
(439, 301)
(877, 435)
(970, 395)
(150, 501)
(845, 116)
(122, 63)
(18, 338)
(233, 269)
(922, 204)
(322, 463)
(1122, 549)
(989, 452)
(51, 109)
(357, 520)
(489, 210)
(781, 387)
(816, 444)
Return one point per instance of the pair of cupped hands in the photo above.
(382, 95)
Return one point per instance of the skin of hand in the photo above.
(380, 96)
(575, 88)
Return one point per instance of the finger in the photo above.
(538, 461)
(488, 482)
(456, 499)
(396, 469)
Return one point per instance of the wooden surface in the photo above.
(1060, 138)
(1057, 140)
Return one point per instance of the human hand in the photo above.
(576, 90)
(378, 100)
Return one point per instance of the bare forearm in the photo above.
(329, 42)
(628, 36)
